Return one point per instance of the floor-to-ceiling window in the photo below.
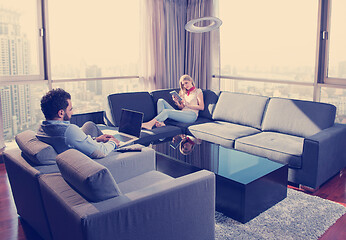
(335, 72)
(90, 48)
(267, 45)
(278, 48)
(20, 65)
(20, 40)
(337, 40)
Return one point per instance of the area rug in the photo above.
(299, 216)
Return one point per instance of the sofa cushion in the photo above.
(123, 166)
(47, 169)
(286, 149)
(142, 181)
(89, 178)
(223, 133)
(210, 99)
(240, 108)
(297, 117)
(39, 153)
(184, 126)
(137, 101)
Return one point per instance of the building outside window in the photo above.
(19, 56)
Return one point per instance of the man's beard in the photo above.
(66, 117)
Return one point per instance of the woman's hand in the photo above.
(180, 104)
(175, 99)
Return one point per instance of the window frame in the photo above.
(333, 81)
(321, 78)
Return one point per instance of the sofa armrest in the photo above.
(80, 119)
(127, 165)
(330, 152)
(26, 192)
(182, 208)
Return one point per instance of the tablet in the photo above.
(174, 93)
(175, 142)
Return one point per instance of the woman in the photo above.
(187, 145)
(192, 102)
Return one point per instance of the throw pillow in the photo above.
(89, 178)
(36, 151)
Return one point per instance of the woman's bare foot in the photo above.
(149, 125)
(160, 124)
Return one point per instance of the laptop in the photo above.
(129, 127)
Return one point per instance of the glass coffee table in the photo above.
(246, 185)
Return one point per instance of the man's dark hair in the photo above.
(53, 102)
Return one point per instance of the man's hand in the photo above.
(113, 139)
(104, 138)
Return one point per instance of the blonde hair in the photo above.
(183, 150)
(184, 78)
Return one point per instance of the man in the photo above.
(57, 130)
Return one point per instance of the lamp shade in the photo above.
(214, 24)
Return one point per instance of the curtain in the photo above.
(2, 143)
(202, 49)
(168, 51)
(162, 43)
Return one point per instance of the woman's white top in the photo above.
(192, 100)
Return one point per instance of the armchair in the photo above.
(149, 206)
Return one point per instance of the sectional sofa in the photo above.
(121, 196)
(299, 133)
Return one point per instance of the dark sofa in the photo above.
(301, 134)
(146, 102)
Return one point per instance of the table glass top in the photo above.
(229, 163)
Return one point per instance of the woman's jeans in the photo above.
(165, 110)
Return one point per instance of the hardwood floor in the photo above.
(13, 228)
